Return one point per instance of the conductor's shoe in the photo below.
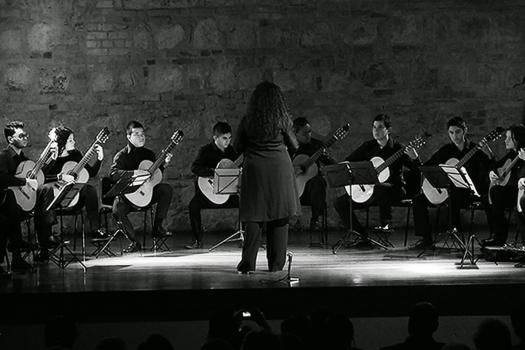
(194, 245)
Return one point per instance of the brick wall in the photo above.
(189, 63)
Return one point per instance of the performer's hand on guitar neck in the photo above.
(521, 153)
(53, 150)
(485, 148)
(100, 152)
(411, 152)
(168, 158)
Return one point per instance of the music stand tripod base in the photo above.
(348, 174)
(226, 181)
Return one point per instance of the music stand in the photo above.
(227, 181)
(61, 202)
(348, 174)
(127, 183)
(449, 176)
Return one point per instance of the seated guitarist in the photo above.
(386, 193)
(204, 166)
(10, 212)
(129, 159)
(505, 196)
(64, 151)
(315, 189)
(477, 168)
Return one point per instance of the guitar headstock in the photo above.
(102, 136)
(420, 140)
(492, 136)
(177, 137)
(342, 132)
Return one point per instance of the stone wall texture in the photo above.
(189, 63)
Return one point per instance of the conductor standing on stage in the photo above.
(268, 190)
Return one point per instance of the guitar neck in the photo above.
(87, 156)
(467, 157)
(41, 160)
(314, 157)
(391, 160)
(238, 161)
(508, 169)
(161, 158)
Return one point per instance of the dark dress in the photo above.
(268, 189)
(268, 194)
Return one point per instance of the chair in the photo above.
(323, 234)
(57, 253)
(107, 207)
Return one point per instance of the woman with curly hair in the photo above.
(268, 191)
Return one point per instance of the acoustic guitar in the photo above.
(26, 195)
(439, 195)
(78, 170)
(363, 193)
(503, 173)
(308, 163)
(142, 196)
(205, 184)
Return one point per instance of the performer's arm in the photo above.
(7, 179)
(200, 166)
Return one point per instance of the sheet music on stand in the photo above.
(347, 174)
(127, 183)
(66, 195)
(226, 181)
(450, 176)
(459, 177)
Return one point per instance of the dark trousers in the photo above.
(385, 195)
(458, 198)
(199, 202)
(276, 243)
(161, 196)
(521, 220)
(10, 217)
(45, 219)
(314, 195)
(503, 197)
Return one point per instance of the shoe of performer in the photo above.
(132, 248)
(387, 228)
(194, 245)
(162, 232)
(242, 269)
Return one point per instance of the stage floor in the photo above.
(192, 283)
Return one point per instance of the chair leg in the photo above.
(75, 233)
(83, 236)
(406, 225)
(144, 228)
